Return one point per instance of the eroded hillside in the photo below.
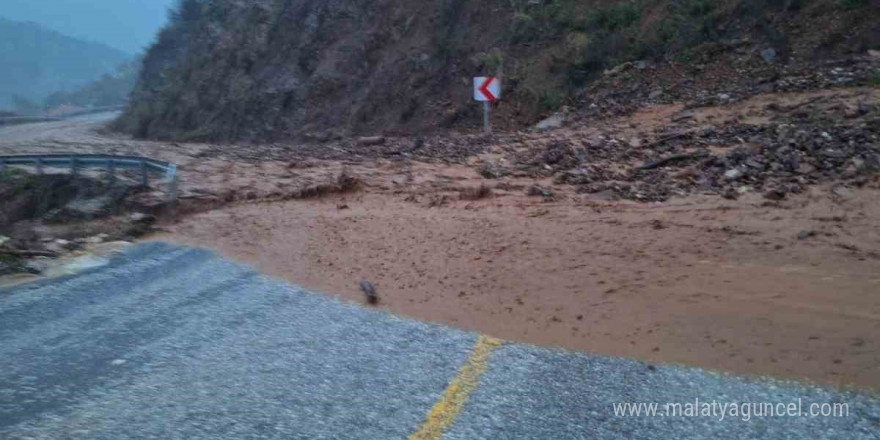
(282, 69)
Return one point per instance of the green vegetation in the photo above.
(595, 39)
(490, 61)
(874, 78)
(10, 261)
(16, 181)
(616, 17)
(447, 17)
(10, 173)
(849, 5)
(551, 100)
(232, 70)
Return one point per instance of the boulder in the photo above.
(550, 123)
(733, 174)
(139, 217)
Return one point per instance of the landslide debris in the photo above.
(49, 215)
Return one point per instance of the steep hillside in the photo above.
(35, 61)
(108, 90)
(266, 69)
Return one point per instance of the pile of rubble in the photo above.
(801, 146)
(450, 148)
(720, 73)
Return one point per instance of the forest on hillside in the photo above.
(36, 62)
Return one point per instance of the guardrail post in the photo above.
(2, 165)
(171, 176)
(145, 178)
(111, 170)
(74, 169)
(39, 166)
(172, 190)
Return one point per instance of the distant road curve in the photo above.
(16, 120)
(171, 342)
(78, 130)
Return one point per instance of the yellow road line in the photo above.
(456, 394)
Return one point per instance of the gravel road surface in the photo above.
(170, 342)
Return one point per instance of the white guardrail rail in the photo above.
(111, 163)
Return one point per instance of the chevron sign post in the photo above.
(487, 89)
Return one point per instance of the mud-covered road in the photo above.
(782, 288)
(170, 342)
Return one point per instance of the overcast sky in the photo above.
(128, 25)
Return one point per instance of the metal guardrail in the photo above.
(111, 162)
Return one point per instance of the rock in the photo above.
(550, 123)
(36, 266)
(539, 191)
(769, 55)
(874, 53)
(491, 170)
(108, 249)
(872, 162)
(53, 247)
(371, 141)
(4, 239)
(724, 97)
(733, 174)
(618, 69)
(858, 163)
(369, 292)
(97, 239)
(803, 235)
(59, 246)
(683, 116)
(82, 209)
(655, 94)
(805, 168)
(834, 154)
(139, 217)
(686, 173)
(641, 65)
(754, 163)
(658, 224)
(775, 194)
(842, 192)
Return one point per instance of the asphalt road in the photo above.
(175, 343)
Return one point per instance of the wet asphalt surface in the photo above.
(169, 342)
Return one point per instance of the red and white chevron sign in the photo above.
(487, 88)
